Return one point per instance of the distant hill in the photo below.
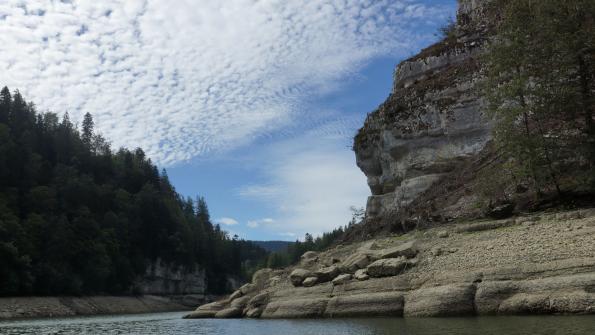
(273, 246)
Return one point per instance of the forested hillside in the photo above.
(79, 218)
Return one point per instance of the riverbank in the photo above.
(42, 307)
(542, 263)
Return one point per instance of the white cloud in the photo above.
(317, 181)
(226, 221)
(258, 223)
(184, 79)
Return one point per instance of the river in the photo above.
(171, 323)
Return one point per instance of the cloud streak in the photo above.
(186, 79)
(316, 182)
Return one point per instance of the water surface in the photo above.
(171, 323)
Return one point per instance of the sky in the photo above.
(252, 104)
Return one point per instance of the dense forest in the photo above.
(540, 88)
(79, 218)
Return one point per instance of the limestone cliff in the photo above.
(430, 127)
(164, 279)
(431, 121)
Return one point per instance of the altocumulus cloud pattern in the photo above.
(182, 78)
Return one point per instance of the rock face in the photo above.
(431, 121)
(161, 279)
(546, 267)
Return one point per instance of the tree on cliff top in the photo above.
(540, 70)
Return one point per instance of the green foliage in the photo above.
(540, 78)
(77, 218)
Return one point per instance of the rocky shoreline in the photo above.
(42, 307)
(533, 264)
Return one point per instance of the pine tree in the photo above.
(87, 134)
(5, 102)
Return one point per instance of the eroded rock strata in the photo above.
(544, 263)
(431, 121)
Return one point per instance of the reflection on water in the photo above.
(171, 323)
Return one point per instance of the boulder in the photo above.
(248, 288)
(309, 255)
(254, 313)
(240, 302)
(342, 279)
(355, 262)
(297, 276)
(361, 274)
(408, 250)
(327, 273)
(261, 277)
(501, 212)
(259, 300)
(310, 281)
(447, 300)
(387, 267)
(443, 234)
(229, 313)
(236, 295)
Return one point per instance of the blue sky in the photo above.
(251, 104)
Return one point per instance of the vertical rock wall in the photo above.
(432, 119)
(162, 279)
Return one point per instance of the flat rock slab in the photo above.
(295, 308)
(229, 313)
(389, 304)
(448, 300)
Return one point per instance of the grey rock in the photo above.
(342, 279)
(297, 276)
(295, 308)
(236, 295)
(356, 261)
(387, 267)
(254, 313)
(408, 250)
(240, 302)
(327, 273)
(310, 281)
(248, 288)
(309, 258)
(389, 304)
(229, 313)
(259, 300)
(443, 234)
(261, 277)
(448, 300)
(361, 274)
